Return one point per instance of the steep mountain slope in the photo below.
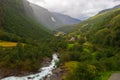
(105, 25)
(51, 20)
(28, 9)
(14, 20)
(46, 17)
(67, 20)
(92, 51)
(23, 41)
(74, 27)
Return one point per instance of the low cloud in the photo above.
(76, 8)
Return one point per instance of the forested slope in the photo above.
(23, 41)
(15, 20)
(92, 50)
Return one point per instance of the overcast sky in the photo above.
(76, 8)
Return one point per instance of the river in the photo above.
(44, 72)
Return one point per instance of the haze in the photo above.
(81, 9)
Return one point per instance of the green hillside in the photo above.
(13, 19)
(94, 46)
(102, 28)
(90, 51)
(23, 41)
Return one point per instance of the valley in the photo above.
(31, 38)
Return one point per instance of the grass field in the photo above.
(7, 44)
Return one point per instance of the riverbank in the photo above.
(57, 74)
(15, 72)
(44, 71)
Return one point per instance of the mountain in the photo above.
(23, 41)
(103, 29)
(46, 17)
(93, 47)
(74, 26)
(50, 19)
(67, 20)
(14, 20)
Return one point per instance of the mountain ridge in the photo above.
(50, 19)
(45, 17)
(67, 20)
(93, 47)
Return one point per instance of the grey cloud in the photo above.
(77, 8)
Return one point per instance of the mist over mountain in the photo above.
(51, 20)
(17, 19)
(67, 20)
(46, 17)
(81, 9)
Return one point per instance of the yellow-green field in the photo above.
(7, 44)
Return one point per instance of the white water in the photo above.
(45, 71)
(53, 19)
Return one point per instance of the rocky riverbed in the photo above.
(46, 73)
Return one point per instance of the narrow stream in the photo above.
(45, 71)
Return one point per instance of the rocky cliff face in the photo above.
(28, 9)
(49, 19)
(46, 17)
